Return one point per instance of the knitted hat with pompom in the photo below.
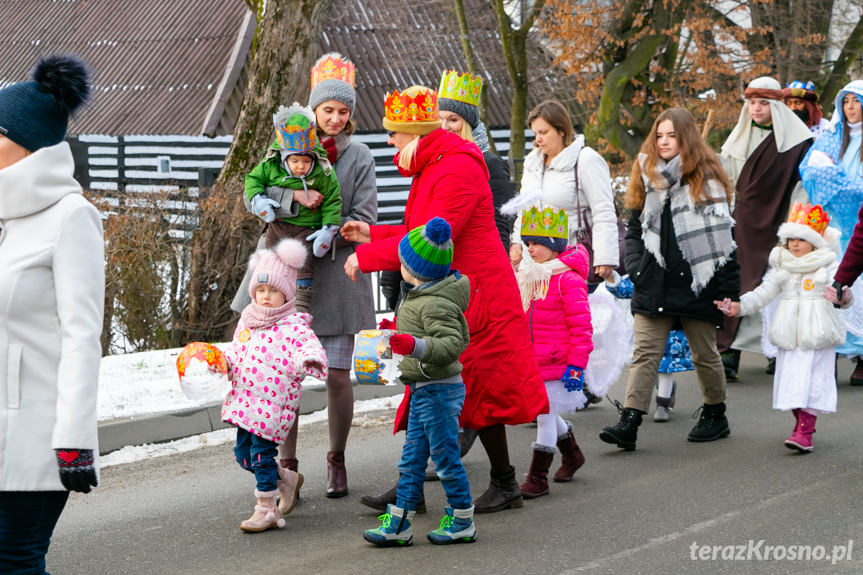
(278, 267)
(36, 114)
(426, 251)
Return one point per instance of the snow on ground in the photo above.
(146, 383)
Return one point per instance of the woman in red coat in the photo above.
(450, 180)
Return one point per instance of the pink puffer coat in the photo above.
(267, 366)
(560, 323)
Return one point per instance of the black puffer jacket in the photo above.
(668, 292)
(502, 190)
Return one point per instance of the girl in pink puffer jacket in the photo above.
(272, 352)
(554, 294)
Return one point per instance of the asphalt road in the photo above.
(744, 504)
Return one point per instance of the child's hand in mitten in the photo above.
(573, 378)
(387, 324)
(402, 343)
(323, 239)
(265, 208)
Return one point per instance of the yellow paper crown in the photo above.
(402, 107)
(546, 223)
(808, 215)
(464, 88)
(334, 66)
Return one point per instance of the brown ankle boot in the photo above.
(289, 463)
(571, 455)
(537, 476)
(337, 476)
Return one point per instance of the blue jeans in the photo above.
(258, 455)
(433, 430)
(27, 520)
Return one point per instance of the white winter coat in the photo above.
(557, 184)
(52, 284)
(803, 319)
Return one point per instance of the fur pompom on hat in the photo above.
(278, 267)
(426, 251)
(36, 114)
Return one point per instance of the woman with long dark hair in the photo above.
(680, 257)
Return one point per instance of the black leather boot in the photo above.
(712, 424)
(503, 493)
(625, 433)
(379, 502)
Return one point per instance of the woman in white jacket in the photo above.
(805, 327)
(51, 301)
(563, 173)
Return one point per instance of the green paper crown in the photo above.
(547, 223)
(464, 88)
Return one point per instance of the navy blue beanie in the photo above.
(36, 114)
(554, 244)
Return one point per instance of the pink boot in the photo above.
(289, 484)
(801, 439)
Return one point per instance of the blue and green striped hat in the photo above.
(426, 251)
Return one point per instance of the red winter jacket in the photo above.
(560, 323)
(501, 377)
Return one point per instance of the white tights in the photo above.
(550, 426)
(666, 384)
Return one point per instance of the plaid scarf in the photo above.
(703, 230)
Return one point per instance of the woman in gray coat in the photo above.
(340, 307)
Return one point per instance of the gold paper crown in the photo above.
(402, 107)
(334, 66)
(464, 88)
(808, 215)
(547, 223)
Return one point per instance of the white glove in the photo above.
(265, 208)
(818, 159)
(323, 239)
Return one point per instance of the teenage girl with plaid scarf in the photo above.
(680, 257)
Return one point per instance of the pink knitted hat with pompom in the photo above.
(278, 267)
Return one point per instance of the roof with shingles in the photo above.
(398, 43)
(159, 65)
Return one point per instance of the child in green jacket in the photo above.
(296, 161)
(432, 334)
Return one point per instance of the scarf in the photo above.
(480, 136)
(335, 145)
(703, 231)
(533, 279)
(255, 316)
(807, 263)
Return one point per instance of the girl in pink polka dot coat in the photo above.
(273, 350)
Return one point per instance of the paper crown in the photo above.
(201, 351)
(402, 107)
(295, 128)
(808, 215)
(464, 88)
(546, 223)
(334, 66)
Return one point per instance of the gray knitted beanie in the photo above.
(337, 90)
(469, 112)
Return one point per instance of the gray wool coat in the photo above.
(340, 306)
